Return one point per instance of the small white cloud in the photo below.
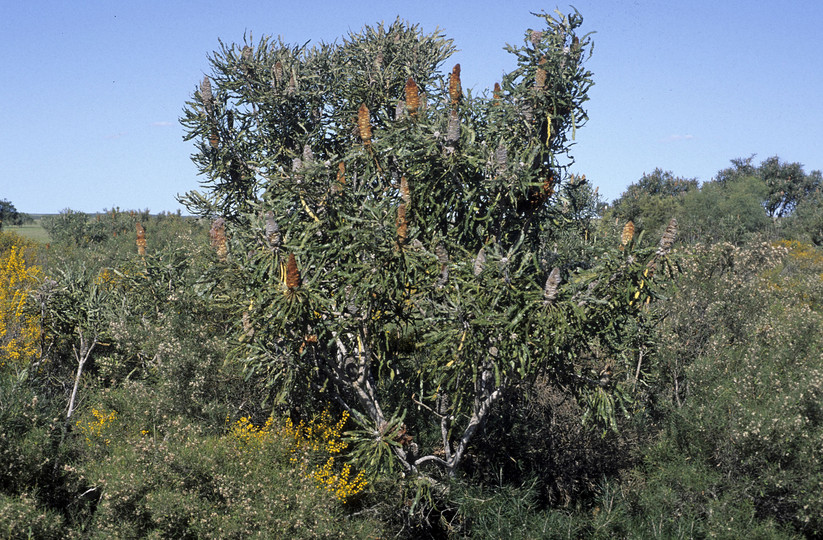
(161, 124)
(674, 138)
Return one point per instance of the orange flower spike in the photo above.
(402, 224)
(141, 240)
(364, 124)
(292, 273)
(627, 235)
(341, 173)
(540, 76)
(497, 93)
(455, 89)
(412, 97)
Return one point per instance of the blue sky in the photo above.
(91, 91)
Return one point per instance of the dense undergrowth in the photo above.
(169, 438)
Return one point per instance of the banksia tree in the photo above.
(423, 222)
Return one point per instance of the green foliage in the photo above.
(20, 517)
(740, 201)
(652, 201)
(806, 222)
(724, 212)
(788, 185)
(539, 436)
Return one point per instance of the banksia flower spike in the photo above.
(402, 225)
(497, 93)
(405, 193)
(246, 61)
(443, 259)
(214, 139)
(441, 253)
(540, 79)
(272, 231)
(480, 261)
(218, 238)
(364, 124)
(552, 283)
(292, 273)
(455, 88)
(278, 73)
(341, 173)
(206, 95)
(501, 158)
(627, 235)
(667, 240)
(412, 97)
(141, 240)
(308, 155)
(248, 327)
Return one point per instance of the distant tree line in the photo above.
(10, 216)
(739, 201)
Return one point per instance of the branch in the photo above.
(424, 459)
(82, 356)
(421, 404)
(477, 419)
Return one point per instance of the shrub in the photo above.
(184, 483)
(742, 356)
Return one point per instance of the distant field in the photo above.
(33, 231)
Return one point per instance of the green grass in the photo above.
(32, 231)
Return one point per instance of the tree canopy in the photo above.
(9, 214)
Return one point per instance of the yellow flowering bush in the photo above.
(19, 331)
(804, 256)
(244, 430)
(318, 437)
(340, 484)
(99, 428)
